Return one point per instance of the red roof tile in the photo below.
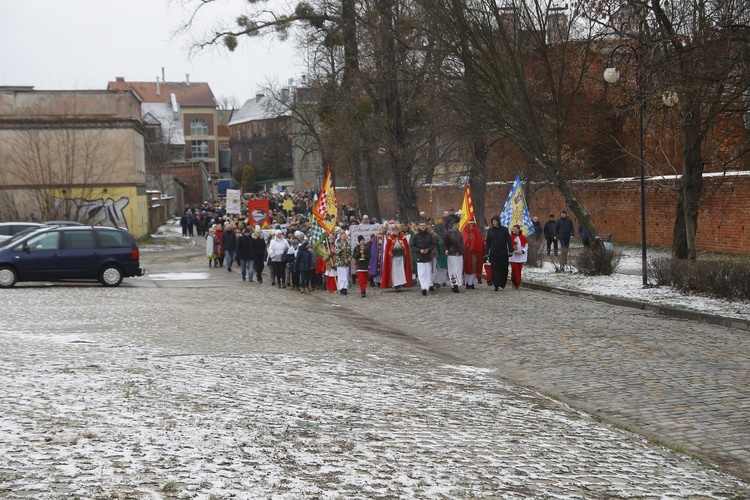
(187, 94)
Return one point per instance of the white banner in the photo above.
(233, 201)
(365, 230)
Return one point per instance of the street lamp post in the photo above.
(611, 75)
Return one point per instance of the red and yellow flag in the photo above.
(467, 210)
(326, 208)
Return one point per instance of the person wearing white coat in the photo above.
(519, 256)
(276, 250)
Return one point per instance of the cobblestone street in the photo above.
(189, 383)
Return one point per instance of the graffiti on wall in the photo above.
(98, 212)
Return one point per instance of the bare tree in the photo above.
(524, 65)
(59, 164)
(695, 53)
(228, 102)
(374, 72)
(165, 145)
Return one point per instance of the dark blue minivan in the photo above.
(54, 253)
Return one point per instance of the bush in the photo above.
(597, 261)
(715, 278)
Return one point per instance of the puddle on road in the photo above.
(178, 276)
(70, 338)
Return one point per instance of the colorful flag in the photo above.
(515, 210)
(326, 209)
(259, 213)
(318, 239)
(467, 210)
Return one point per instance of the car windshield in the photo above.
(17, 236)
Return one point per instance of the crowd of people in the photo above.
(366, 253)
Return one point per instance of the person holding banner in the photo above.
(499, 247)
(331, 273)
(519, 256)
(361, 256)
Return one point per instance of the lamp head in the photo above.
(611, 75)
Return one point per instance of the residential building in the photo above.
(189, 118)
(261, 137)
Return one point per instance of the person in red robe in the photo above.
(218, 235)
(473, 254)
(397, 261)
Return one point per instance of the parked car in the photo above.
(8, 229)
(54, 253)
(63, 223)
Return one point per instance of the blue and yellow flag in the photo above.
(515, 210)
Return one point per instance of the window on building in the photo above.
(198, 127)
(199, 149)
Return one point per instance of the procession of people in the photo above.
(361, 252)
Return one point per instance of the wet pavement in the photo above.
(190, 383)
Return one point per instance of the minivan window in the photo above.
(113, 239)
(44, 241)
(79, 240)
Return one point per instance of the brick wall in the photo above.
(614, 206)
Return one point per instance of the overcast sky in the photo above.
(83, 44)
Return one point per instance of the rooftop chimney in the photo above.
(187, 78)
(119, 78)
(258, 97)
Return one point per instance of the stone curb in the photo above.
(739, 324)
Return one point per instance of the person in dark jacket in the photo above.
(244, 251)
(423, 244)
(537, 226)
(449, 220)
(184, 222)
(303, 264)
(549, 233)
(259, 253)
(564, 230)
(499, 247)
(229, 244)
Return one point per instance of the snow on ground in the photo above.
(627, 283)
(108, 421)
(104, 403)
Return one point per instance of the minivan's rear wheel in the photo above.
(110, 275)
(8, 277)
